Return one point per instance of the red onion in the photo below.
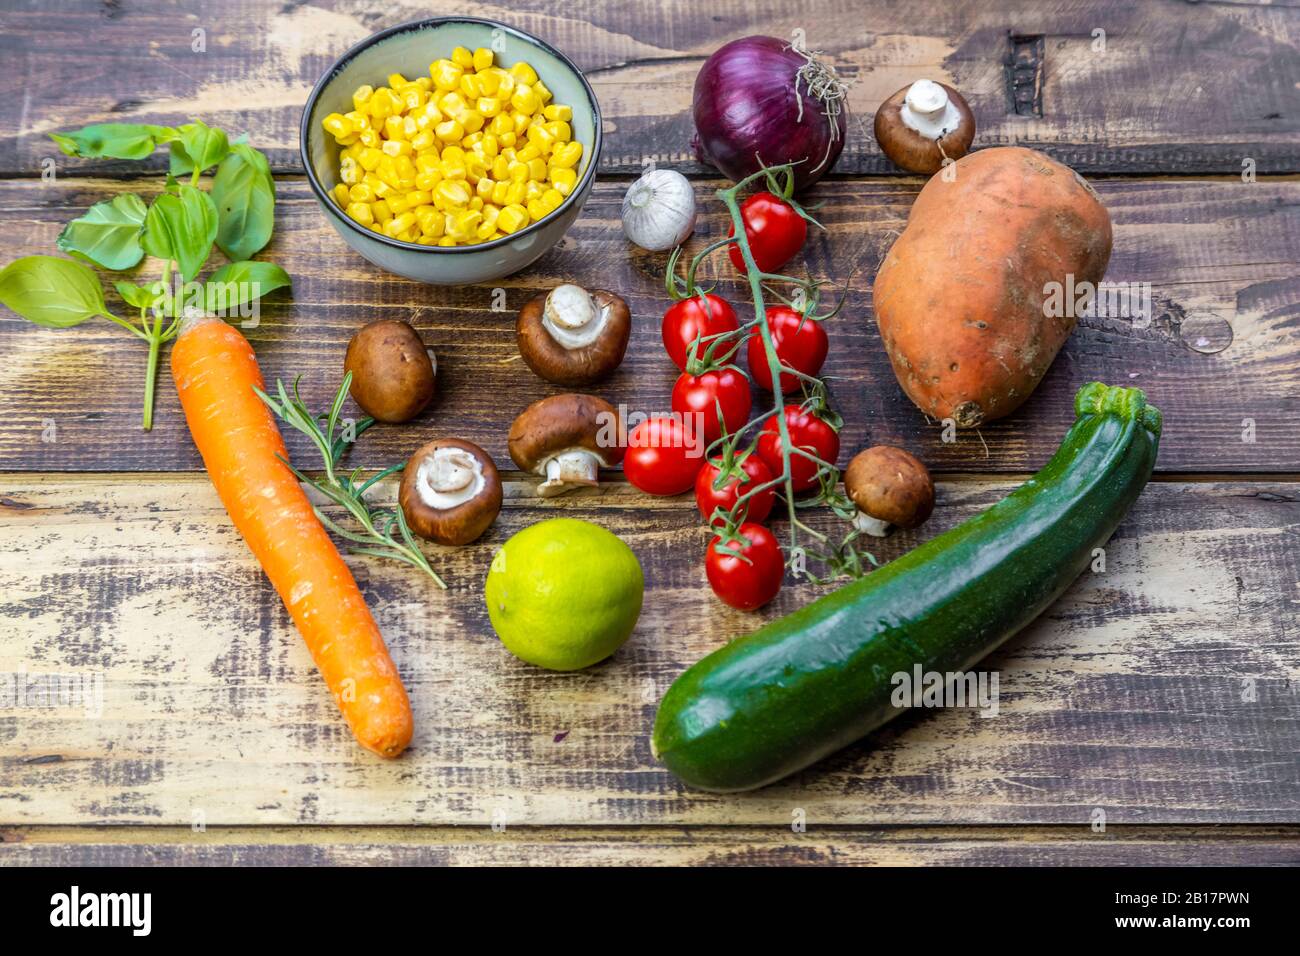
(760, 101)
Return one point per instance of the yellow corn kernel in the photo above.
(370, 137)
(487, 146)
(428, 181)
(499, 190)
(445, 74)
(559, 130)
(475, 167)
(484, 188)
(512, 218)
(405, 167)
(506, 86)
(431, 221)
(517, 171)
(396, 79)
(566, 156)
(463, 224)
(379, 107)
(501, 123)
(552, 199)
(352, 152)
(421, 141)
(381, 188)
(528, 153)
(488, 106)
(537, 169)
(489, 83)
(446, 241)
(507, 139)
(360, 120)
(341, 194)
(336, 125)
(361, 213)
(488, 226)
(524, 73)
(453, 170)
(397, 147)
(380, 211)
(544, 94)
(477, 203)
(397, 204)
(362, 192)
(521, 121)
(470, 87)
(473, 122)
(453, 153)
(451, 194)
(393, 127)
(524, 100)
(532, 190)
(515, 194)
(482, 58)
(462, 58)
(449, 131)
(500, 168)
(424, 83)
(557, 113)
(413, 97)
(349, 171)
(361, 96)
(536, 209)
(418, 197)
(452, 103)
(399, 224)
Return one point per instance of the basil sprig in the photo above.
(179, 227)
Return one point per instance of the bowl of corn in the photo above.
(451, 150)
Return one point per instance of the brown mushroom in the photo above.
(450, 491)
(567, 439)
(923, 124)
(890, 487)
(570, 336)
(393, 374)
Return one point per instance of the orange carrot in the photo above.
(215, 371)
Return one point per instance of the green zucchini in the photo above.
(806, 685)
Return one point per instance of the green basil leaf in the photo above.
(53, 292)
(116, 140)
(197, 145)
(244, 192)
(138, 297)
(108, 234)
(237, 283)
(181, 226)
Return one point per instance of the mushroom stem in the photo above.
(875, 527)
(575, 467)
(572, 317)
(928, 110)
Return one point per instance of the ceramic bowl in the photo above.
(408, 49)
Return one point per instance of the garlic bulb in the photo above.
(659, 210)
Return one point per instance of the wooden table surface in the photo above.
(1159, 697)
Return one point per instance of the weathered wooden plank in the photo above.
(1121, 87)
(644, 846)
(1222, 352)
(1161, 690)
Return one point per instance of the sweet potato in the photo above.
(960, 297)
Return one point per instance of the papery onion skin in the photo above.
(746, 112)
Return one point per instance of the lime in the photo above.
(564, 594)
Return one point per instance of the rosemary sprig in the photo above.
(384, 532)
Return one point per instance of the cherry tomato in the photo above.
(807, 431)
(751, 583)
(775, 232)
(663, 456)
(800, 344)
(690, 319)
(702, 394)
(755, 471)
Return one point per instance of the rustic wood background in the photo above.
(1160, 695)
